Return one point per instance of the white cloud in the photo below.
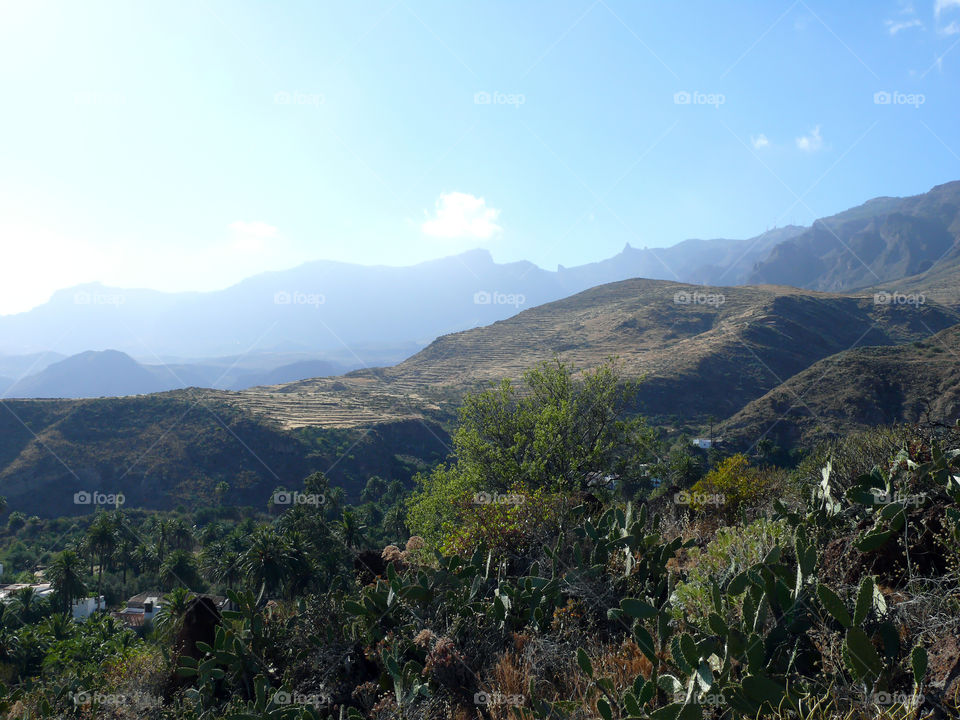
(251, 236)
(941, 5)
(951, 29)
(894, 26)
(811, 142)
(759, 141)
(459, 215)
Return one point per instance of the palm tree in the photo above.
(172, 611)
(25, 602)
(124, 556)
(267, 561)
(66, 575)
(180, 536)
(102, 538)
(351, 531)
(228, 568)
(160, 528)
(180, 568)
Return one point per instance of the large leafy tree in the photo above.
(556, 429)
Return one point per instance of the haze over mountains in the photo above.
(791, 363)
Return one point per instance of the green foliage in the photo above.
(553, 431)
(733, 550)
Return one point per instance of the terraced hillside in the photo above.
(703, 351)
(174, 448)
(859, 388)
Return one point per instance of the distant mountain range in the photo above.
(110, 373)
(377, 314)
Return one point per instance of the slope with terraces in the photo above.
(702, 351)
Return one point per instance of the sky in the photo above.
(186, 145)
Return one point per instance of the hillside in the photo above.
(879, 242)
(173, 448)
(699, 360)
(858, 388)
(703, 352)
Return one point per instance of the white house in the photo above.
(83, 608)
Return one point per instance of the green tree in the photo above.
(66, 576)
(374, 489)
(267, 562)
(102, 540)
(554, 430)
(172, 611)
(350, 528)
(179, 568)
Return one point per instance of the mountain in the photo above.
(385, 314)
(110, 373)
(382, 314)
(703, 351)
(17, 366)
(704, 262)
(858, 388)
(107, 373)
(877, 243)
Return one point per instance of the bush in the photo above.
(732, 550)
(734, 484)
(509, 524)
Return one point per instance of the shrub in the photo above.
(509, 524)
(734, 484)
(732, 550)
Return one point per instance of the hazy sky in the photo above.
(185, 145)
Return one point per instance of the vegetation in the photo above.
(557, 567)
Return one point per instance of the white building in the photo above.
(83, 608)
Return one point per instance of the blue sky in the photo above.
(185, 145)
